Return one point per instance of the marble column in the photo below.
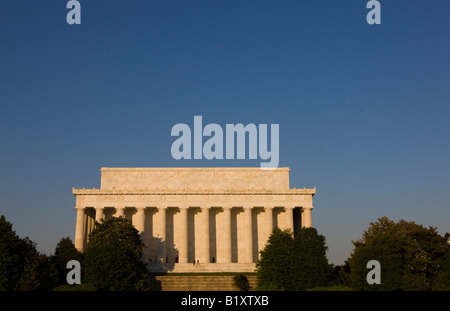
(79, 230)
(139, 219)
(89, 219)
(98, 214)
(226, 235)
(248, 234)
(289, 217)
(161, 246)
(205, 243)
(183, 227)
(306, 217)
(268, 210)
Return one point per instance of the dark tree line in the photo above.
(111, 261)
(288, 263)
(411, 257)
(23, 268)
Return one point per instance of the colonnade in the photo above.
(245, 225)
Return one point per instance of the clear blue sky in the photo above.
(363, 109)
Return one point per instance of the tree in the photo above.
(411, 256)
(113, 256)
(22, 267)
(294, 264)
(241, 282)
(35, 275)
(341, 275)
(310, 266)
(11, 261)
(273, 267)
(64, 252)
(385, 250)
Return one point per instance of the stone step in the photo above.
(197, 283)
(201, 268)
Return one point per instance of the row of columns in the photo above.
(139, 223)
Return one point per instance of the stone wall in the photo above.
(211, 179)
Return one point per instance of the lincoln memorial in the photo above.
(217, 218)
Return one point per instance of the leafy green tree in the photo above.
(22, 267)
(273, 267)
(64, 252)
(341, 275)
(411, 256)
(309, 263)
(35, 274)
(11, 259)
(294, 264)
(385, 250)
(113, 257)
(241, 282)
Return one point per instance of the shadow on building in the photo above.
(165, 259)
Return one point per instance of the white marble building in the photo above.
(218, 217)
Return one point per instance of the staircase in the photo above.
(197, 282)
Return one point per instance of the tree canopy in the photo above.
(274, 264)
(411, 256)
(288, 263)
(113, 256)
(11, 259)
(64, 252)
(22, 267)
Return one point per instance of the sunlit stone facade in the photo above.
(217, 218)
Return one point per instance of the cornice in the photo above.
(94, 191)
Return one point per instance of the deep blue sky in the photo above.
(363, 109)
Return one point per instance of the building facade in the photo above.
(196, 219)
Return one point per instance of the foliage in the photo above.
(341, 275)
(241, 282)
(288, 263)
(411, 256)
(118, 232)
(11, 259)
(273, 267)
(36, 271)
(309, 264)
(21, 266)
(64, 252)
(113, 257)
